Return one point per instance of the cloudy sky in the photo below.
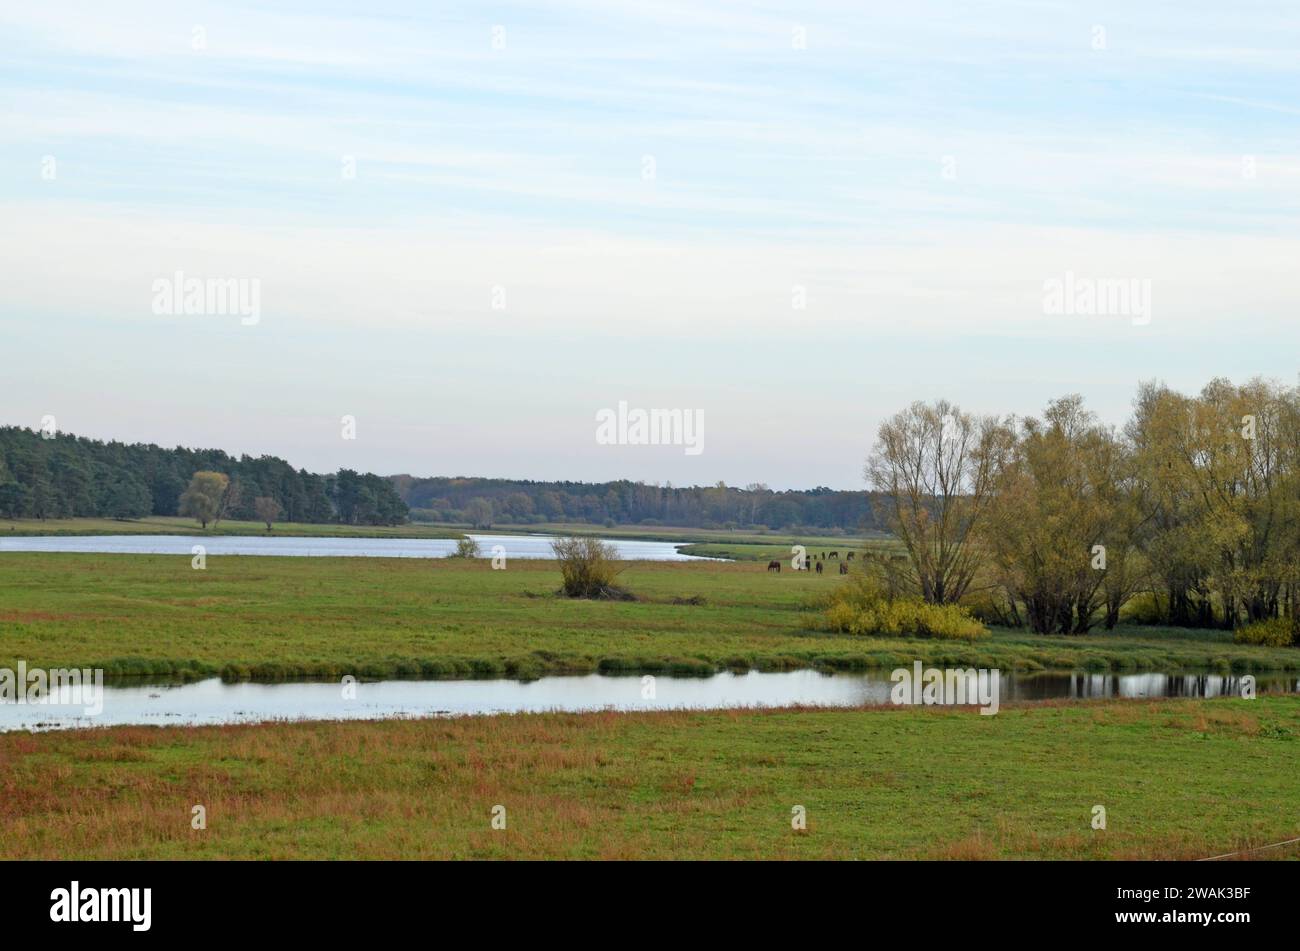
(473, 226)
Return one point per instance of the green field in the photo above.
(1177, 778)
(270, 618)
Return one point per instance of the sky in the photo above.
(473, 227)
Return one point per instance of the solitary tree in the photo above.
(204, 497)
(267, 509)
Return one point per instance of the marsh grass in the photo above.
(282, 618)
(1179, 779)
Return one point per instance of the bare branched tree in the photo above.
(935, 468)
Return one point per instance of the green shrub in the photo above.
(466, 548)
(588, 568)
(1275, 632)
(861, 607)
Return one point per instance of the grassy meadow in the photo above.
(1178, 779)
(271, 618)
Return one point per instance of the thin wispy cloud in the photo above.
(649, 186)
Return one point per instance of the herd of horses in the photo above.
(810, 564)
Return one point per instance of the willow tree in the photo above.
(935, 468)
(1173, 542)
(205, 497)
(1063, 521)
(1240, 453)
(267, 509)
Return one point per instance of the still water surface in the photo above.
(515, 546)
(214, 702)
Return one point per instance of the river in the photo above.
(212, 701)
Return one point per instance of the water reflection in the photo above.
(1095, 686)
(214, 702)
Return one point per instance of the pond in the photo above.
(214, 702)
(515, 546)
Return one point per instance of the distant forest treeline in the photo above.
(66, 476)
(484, 502)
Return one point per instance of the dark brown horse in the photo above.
(819, 567)
(774, 566)
(844, 567)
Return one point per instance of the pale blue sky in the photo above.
(919, 169)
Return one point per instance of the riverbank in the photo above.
(277, 618)
(1178, 779)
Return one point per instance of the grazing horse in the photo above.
(844, 567)
(774, 566)
(835, 555)
(850, 558)
(819, 567)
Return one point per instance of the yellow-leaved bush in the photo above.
(1275, 632)
(860, 607)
